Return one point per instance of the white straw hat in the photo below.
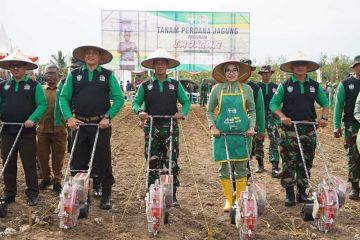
(299, 57)
(160, 54)
(17, 56)
(105, 55)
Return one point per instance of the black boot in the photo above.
(175, 202)
(290, 197)
(275, 173)
(97, 187)
(260, 168)
(302, 197)
(105, 201)
(354, 194)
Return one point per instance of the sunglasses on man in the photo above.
(16, 65)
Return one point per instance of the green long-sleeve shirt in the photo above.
(40, 100)
(357, 109)
(115, 94)
(234, 88)
(181, 94)
(278, 98)
(339, 106)
(57, 110)
(260, 110)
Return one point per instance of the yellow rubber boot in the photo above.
(226, 185)
(240, 186)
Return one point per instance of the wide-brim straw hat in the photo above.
(299, 57)
(244, 69)
(18, 56)
(160, 54)
(105, 55)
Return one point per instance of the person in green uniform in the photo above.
(79, 105)
(231, 109)
(257, 146)
(272, 124)
(160, 95)
(22, 100)
(346, 101)
(295, 101)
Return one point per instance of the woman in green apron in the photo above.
(231, 109)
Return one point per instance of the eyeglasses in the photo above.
(234, 70)
(16, 65)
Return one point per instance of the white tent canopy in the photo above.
(5, 42)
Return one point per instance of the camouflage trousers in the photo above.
(160, 149)
(272, 125)
(293, 167)
(352, 153)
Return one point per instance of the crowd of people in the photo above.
(239, 112)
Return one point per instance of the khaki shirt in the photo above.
(46, 123)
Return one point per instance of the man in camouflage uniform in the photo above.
(294, 101)
(160, 95)
(332, 97)
(347, 94)
(269, 89)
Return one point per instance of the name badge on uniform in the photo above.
(171, 87)
(290, 89)
(7, 86)
(150, 86)
(312, 89)
(27, 87)
(78, 77)
(102, 78)
(351, 86)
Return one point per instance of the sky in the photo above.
(277, 27)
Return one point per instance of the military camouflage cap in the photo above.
(266, 69)
(248, 62)
(356, 61)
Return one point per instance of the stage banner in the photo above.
(199, 40)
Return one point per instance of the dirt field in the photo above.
(200, 215)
